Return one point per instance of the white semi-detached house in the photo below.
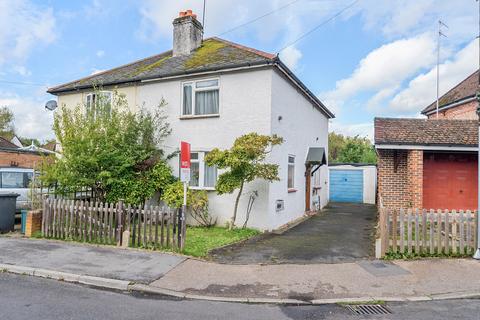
(217, 91)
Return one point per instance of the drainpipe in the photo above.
(477, 252)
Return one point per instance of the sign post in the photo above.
(185, 178)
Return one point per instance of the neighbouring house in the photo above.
(13, 156)
(216, 91)
(458, 103)
(429, 164)
(16, 141)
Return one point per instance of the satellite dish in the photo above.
(51, 105)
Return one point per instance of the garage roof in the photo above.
(423, 132)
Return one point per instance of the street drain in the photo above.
(368, 309)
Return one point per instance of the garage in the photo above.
(352, 183)
(450, 181)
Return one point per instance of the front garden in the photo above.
(114, 162)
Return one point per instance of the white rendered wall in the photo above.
(245, 102)
(302, 126)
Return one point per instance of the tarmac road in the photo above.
(24, 297)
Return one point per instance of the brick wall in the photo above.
(20, 159)
(403, 187)
(415, 177)
(467, 111)
(392, 186)
(33, 223)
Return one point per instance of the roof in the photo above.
(424, 132)
(214, 54)
(5, 143)
(52, 146)
(464, 90)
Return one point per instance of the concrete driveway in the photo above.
(342, 232)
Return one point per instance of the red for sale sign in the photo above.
(184, 161)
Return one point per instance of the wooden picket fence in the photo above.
(115, 224)
(427, 232)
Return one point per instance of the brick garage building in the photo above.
(428, 164)
(457, 103)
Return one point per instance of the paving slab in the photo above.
(97, 261)
(342, 232)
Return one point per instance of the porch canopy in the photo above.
(316, 156)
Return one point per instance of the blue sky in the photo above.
(376, 59)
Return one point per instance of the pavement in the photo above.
(25, 298)
(341, 233)
(177, 276)
(98, 261)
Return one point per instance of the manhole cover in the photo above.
(368, 309)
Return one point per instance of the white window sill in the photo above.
(200, 116)
(202, 188)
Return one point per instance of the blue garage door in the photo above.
(346, 186)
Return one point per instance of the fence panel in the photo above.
(413, 231)
(150, 227)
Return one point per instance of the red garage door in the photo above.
(450, 181)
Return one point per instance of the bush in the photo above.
(197, 203)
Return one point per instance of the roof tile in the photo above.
(400, 131)
(215, 53)
(465, 89)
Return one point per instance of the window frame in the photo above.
(193, 84)
(25, 180)
(94, 94)
(291, 164)
(201, 171)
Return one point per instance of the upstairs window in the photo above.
(200, 98)
(98, 102)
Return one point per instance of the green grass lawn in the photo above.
(200, 240)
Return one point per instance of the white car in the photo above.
(17, 180)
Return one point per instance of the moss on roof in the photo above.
(214, 53)
(150, 66)
(208, 53)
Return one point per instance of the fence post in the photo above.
(383, 248)
(119, 222)
(44, 215)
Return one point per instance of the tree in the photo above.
(244, 163)
(344, 149)
(111, 150)
(6, 122)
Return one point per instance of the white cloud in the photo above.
(95, 71)
(385, 68)
(100, 53)
(291, 56)
(23, 27)
(400, 18)
(22, 70)
(421, 91)
(389, 65)
(31, 118)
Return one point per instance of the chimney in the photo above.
(187, 33)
